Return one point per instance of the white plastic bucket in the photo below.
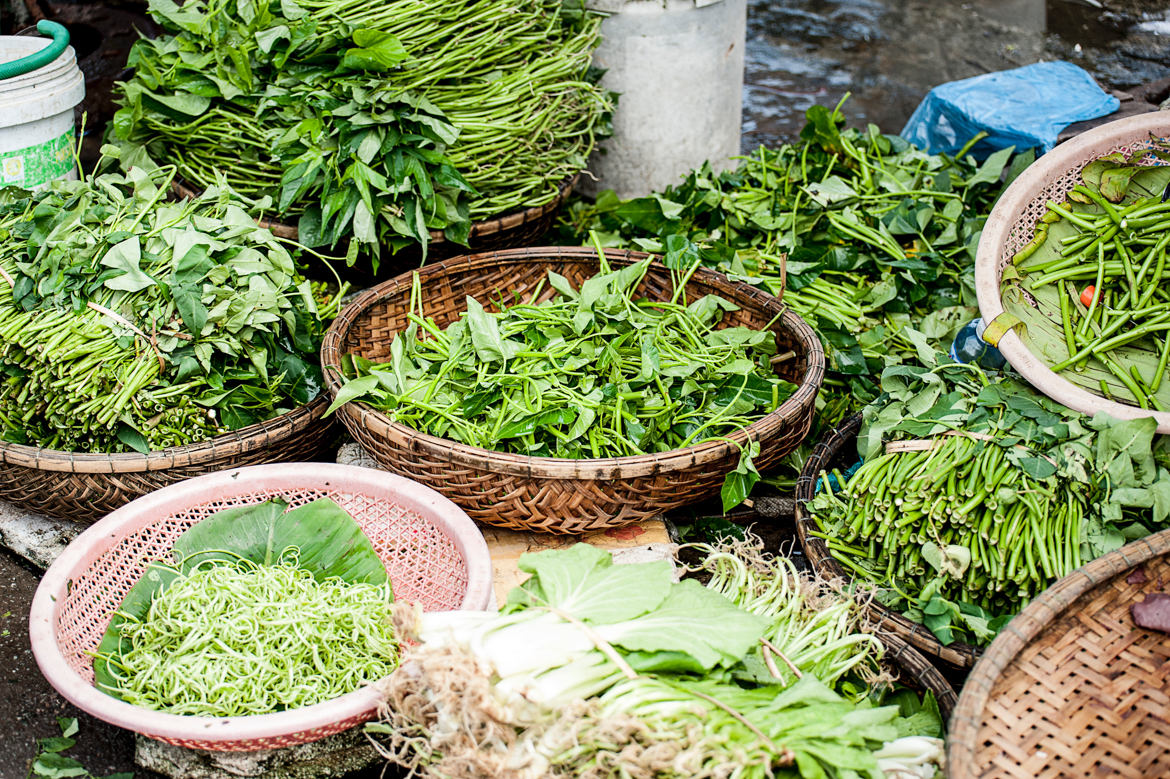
(678, 65)
(36, 116)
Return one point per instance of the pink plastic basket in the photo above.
(1012, 224)
(434, 554)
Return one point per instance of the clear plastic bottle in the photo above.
(969, 347)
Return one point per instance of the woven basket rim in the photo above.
(1004, 217)
(958, 653)
(489, 226)
(900, 653)
(1029, 623)
(224, 445)
(554, 467)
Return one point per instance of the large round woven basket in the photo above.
(505, 231)
(1072, 687)
(85, 487)
(839, 450)
(560, 495)
(1012, 224)
(435, 556)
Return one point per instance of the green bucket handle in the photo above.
(41, 58)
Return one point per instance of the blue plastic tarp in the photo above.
(1026, 108)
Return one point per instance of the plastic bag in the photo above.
(1026, 108)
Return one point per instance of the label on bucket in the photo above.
(36, 165)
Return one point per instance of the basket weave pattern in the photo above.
(839, 450)
(422, 562)
(1072, 687)
(916, 671)
(549, 494)
(85, 487)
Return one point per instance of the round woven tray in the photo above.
(839, 450)
(1011, 226)
(1072, 687)
(548, 494)
(506, 231)
(85, 487)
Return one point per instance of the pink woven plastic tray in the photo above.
(434, 554)
(1012, 224)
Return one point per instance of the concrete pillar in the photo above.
(678, 65)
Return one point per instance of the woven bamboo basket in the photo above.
(85, 487)
(548, 494)
(1072, 687)
(506, 231)
(839, 450)
(916, 671)
(1012, 224)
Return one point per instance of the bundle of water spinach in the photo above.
(1093, 285)
(258, 609)
(975, 493)
(590, 373)
(379, 121)
(130, 322)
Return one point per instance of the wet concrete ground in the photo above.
(887, 53)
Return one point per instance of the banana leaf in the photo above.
(1045, 331)
(329, 543)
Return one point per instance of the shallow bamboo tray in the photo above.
(550, 494)
(839, 450)
(1072, 687)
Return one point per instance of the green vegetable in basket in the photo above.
(976, 493)
(129, 322)
(374, 120)
(590, 373)
(1097, 270)
(604, 670)
(880, 238)
(258, 610)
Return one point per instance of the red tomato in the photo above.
(1087, 295)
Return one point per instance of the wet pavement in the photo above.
(889, 53)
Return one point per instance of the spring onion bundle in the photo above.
(129, 322)
(976, 493)
(590, 373)
(369, 119)
(236, 640)
(601, 670)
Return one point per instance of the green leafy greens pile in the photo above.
(602, 670)
(128, 322)
(589, 373)
(878, 234)
(375, 120)
(261, 610)
(1010, 492)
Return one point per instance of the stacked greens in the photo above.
(878, 234)
(381, 121)
(260, 610)
(602, 670)
(589, 373)
(985, 494)
(129, 322)
(1092, 285)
